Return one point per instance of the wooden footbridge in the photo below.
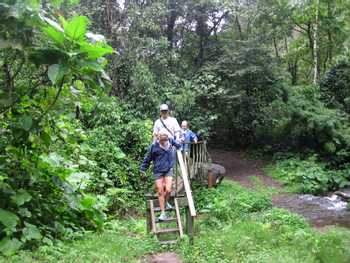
(194, 165)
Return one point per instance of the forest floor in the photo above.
(247, 172)
(240, 226)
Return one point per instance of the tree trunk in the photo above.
(276, 48)
(329, 33)
(171, 22)
(239, 28)
(315, 47)
(202, 32)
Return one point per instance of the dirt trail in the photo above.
(240, 169)
(167, 257)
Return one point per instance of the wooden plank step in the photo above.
(182, 201)
(169, 219)
(166, 230)
(157, 209)
(155, 195)
(168, 242)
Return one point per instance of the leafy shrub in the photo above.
(335, 86)
(230, 201)
(304, 124)
(116, 142)
(308, 176)
(45, 56)
(278, 217)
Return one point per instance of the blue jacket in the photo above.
(189, 136)
(163, 160)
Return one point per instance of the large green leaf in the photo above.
(54, 34)
(47, 56)
(51, 23)
(21, 197)
(56, 72)
(25, 122)
(8, 219)
(75, 29)
(95, 51)
(9, 246)
(88, 201)
(31, 232)
(90, 65)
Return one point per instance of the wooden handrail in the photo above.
(199, 142)
(186, 182)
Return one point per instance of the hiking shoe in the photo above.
(168, 206)
(163, 216)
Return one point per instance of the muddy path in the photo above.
(318, 211)
(166, 257)
(241, 170)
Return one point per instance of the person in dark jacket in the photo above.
(162, 154)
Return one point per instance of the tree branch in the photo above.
(217, 22)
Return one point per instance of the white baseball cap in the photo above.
(164, 107)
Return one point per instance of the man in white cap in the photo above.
(168, 123)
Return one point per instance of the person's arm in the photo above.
(147, 160)
(193, 137)
(175, 143)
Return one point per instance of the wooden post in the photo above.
(176, 175)
(189, 225)
(211, 178)
(153, 217)
(148, 219)
(186, 184)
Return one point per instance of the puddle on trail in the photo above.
(318, 210)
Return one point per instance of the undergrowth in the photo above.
(308, 176)
(235, 224)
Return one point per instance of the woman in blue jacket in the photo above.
(162, 154)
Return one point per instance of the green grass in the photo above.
(234, 225)
(123, 242)
(241, 226)
(254, 241)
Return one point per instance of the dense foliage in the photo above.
(226, 60)
(76, 106)
(68, 153)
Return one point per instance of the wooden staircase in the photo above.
(157, 226)
(183, 199)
